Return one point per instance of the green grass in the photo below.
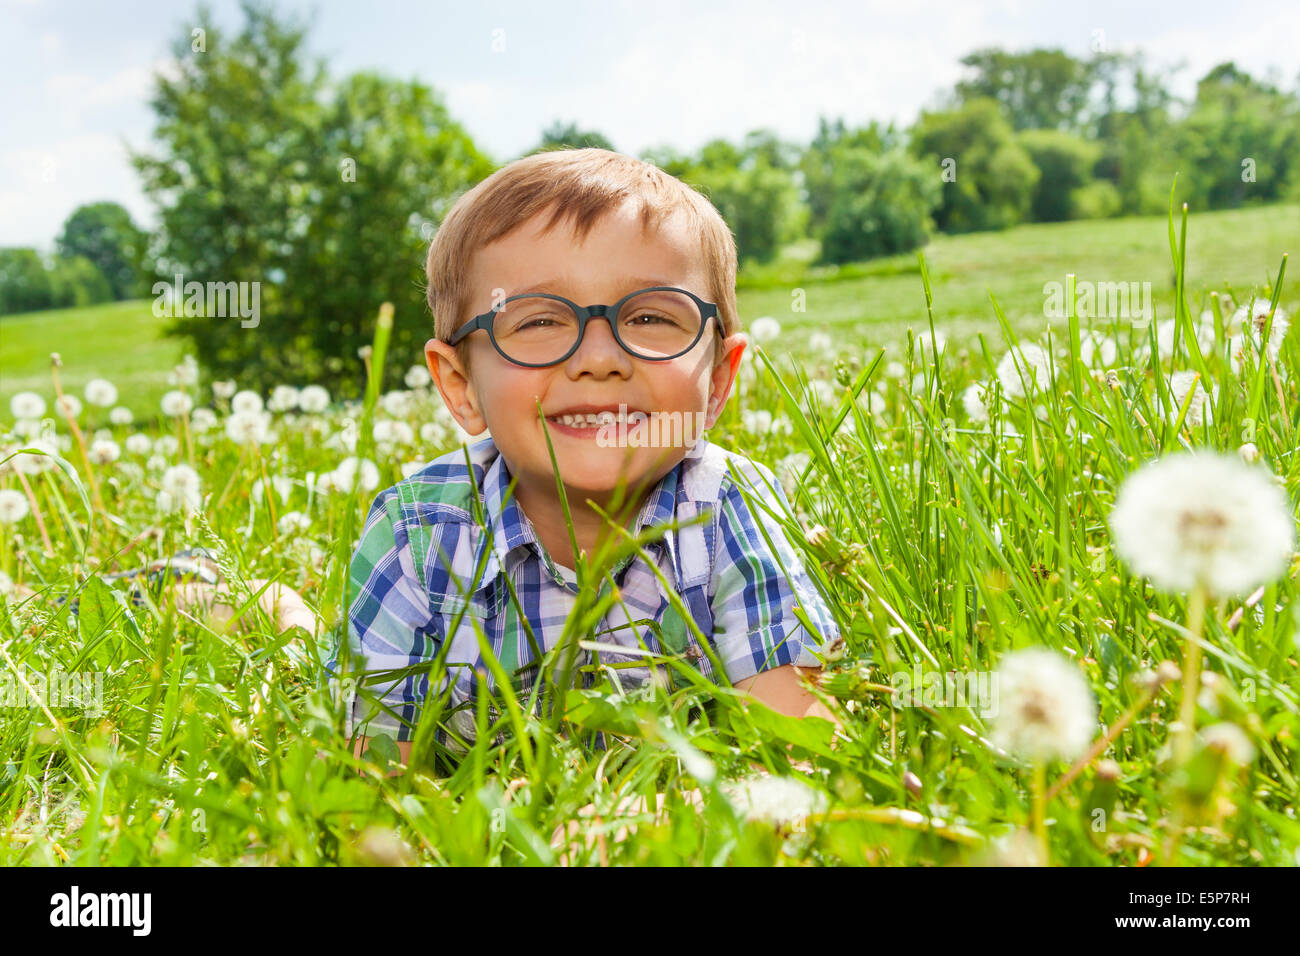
(945, 544)
(120, 341)
(1236, 249)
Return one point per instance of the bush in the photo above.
(880, 205)
(1098, 199)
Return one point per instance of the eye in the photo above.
(654, 319)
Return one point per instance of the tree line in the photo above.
(327, 190)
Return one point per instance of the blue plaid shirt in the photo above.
(415, 590)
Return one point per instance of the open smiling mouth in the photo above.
(589, 424)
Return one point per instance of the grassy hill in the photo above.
(872, 303)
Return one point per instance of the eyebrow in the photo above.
(631, 284)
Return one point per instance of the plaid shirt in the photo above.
(414, 587)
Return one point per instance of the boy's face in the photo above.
(502, 397)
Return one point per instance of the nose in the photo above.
(599, 352)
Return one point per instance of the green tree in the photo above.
(1240, 140)
(24, 282)
(1037, 89)
(560, 135)
(759, 201)
(104, 233)
(1065, 164)
(881, 204)
(990, 178)
(325, 195)
(75, 281)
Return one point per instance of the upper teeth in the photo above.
(591, 418)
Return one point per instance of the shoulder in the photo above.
(716, 474)
(443, 491)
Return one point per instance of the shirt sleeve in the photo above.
(754, 627)
(390, 625)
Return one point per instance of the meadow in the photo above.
(983, 498)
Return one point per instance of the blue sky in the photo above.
(77, 75)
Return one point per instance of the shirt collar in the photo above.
(513, 533)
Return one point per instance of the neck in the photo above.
(590, 528)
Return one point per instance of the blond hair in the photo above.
(582, 185)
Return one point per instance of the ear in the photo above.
(454, 385)
(724, 375)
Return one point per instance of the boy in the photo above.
(590, 226)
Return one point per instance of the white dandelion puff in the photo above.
(139, 444)
(1096, 350)
(104, 451)
(251, 428)
(203, 420)
(757, 421)
(176, 403)
(121, 416)
(1198, 411)
(245, 402)
(185, 374)
(975, 400)
(1045, 709)
(27, 405)
(1023, 366)
(344, 477)
(13, 506)
(284, 398)
(68, 405)
(313, 399)
(1231, 740)
(927, 345)
(101, 392)
(775, 800)
(293, 521)
(765, 329)
(1203, 517)
(224, 389)
(167, 445)
(417, 376)
(182, 486)
(820, 342)
(397, 404)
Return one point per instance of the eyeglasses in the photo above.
(539, 329)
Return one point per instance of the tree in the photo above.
(1239, 141)
(104, 233)
(561, 135)
(992, 179)
(760, 202)
(1037, 89)
(881, 204)
(24, 282)
(75, 281)
(1065, 164)
(322, 194)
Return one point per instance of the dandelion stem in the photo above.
(1191, 674)
(1039, 786)
(36, 513)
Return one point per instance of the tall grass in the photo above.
(944, 542)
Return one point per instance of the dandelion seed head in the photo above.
(775, 800)
(246, 402)
(1202, 516)
(1231, 740)
(1024, 365)
(176, 403)
(13, 506)
(1045, 709)
(313, 399)
(27, 405)
(765, 329)
(101, 392)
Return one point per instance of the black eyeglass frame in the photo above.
(708, 310)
